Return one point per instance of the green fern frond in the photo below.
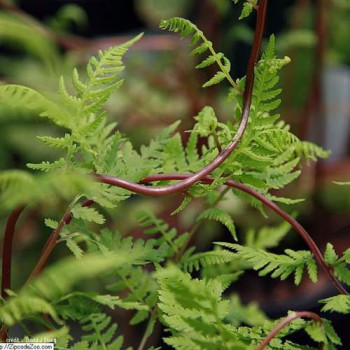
(339, 264)
(187, 28)
(278, 265)
(154, 225)
(192, 156)
(186, 201)
(206, 122)
(267, 236)
(58, 279)
(101, 327)
(342, 183)
(248, 7)
(312, 151)
(10, 178)
(339, 303)
(17, 309)
(57, 142)
(27, 98)
(82, 345)
(19, 187)
(60, 337)
(47, 166)
(221, 216)
(88, 214)
(196, 261)
(249, 314)
(195, 313)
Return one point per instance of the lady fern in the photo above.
(151, 275)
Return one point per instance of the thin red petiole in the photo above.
(146, 190)
(285, 322)
(7, 250)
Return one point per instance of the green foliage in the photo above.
(187, 28)
(55, 282)
(194, 312)
(267, 236)
(249, 314)
(339, 265)
(197, 261)
(20, 187)
(339, 303)
(248, 7)
(198, 318)
(278, 265)
(151, 276)
(17, 32)
(154, 225)
(220, 216)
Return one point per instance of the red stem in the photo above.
(285, 322)
(145, 190)
(52, 240)
(191, 179)
(247, 99)
(7, 250)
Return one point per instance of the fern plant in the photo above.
(162, 278)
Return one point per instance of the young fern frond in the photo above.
(267, 237)
(249, 314)
(277, 265)
(20, 187)
(60, 337)
(248, 7)
(20, 308)
(339, 303)
(193, 311)
(101, 327)
(339, 264)
(186, 28)
(27, 98)
(221, 216)
(54, 282)
(154, 225)
(197, 261)
(269, 154)
(104, 78)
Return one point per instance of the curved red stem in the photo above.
(145, 190)
(192, 178)
(285, 322)
(247, 99)
(7, 250)
(51, 242)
